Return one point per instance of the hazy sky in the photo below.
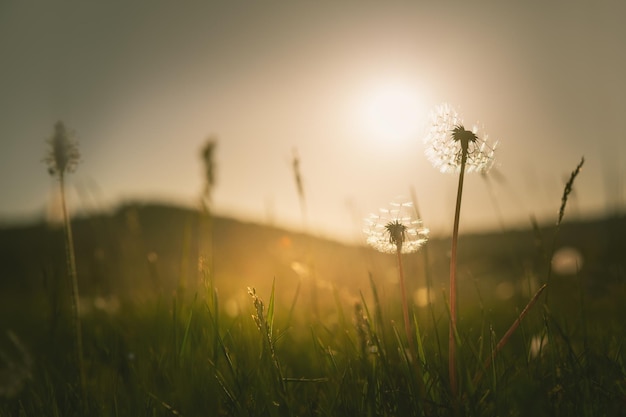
(348, 84)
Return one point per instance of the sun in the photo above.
(392, 112)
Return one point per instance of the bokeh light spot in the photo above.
(232, 307)
(505, 290)
(567, 261)
(420, 297)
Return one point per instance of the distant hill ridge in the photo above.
(142, 247)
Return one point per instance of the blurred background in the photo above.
(346, 88)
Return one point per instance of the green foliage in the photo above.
(213, 350)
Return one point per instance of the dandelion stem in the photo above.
(453, 291)
(405, 307)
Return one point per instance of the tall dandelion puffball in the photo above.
(444, 143)
(395, 229)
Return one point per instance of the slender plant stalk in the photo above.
(71, 268)
(297, 175)
(453, 291)
(566, 192)
(405, 306)
(295, 163)
(63, 157)
(503, 341)
(205, 238)
(568, 189)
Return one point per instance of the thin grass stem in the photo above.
(503, 341)
(71, 268)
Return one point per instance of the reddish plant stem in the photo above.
(453, 302)
(508, 334)
(405, 306)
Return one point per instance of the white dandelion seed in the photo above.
(396, 229)
(446, 138)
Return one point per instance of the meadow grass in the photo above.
(187, 350)
(175, 354)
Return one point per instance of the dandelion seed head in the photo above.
(395, 229)
(63, 155)
(446, 138)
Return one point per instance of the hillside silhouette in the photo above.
(145, 250)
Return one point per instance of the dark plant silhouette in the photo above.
(205, 236)
(63, 158)
(208, 157)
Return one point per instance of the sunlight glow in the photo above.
(392, 112)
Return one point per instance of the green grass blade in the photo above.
(270, 311)
(185, 336)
